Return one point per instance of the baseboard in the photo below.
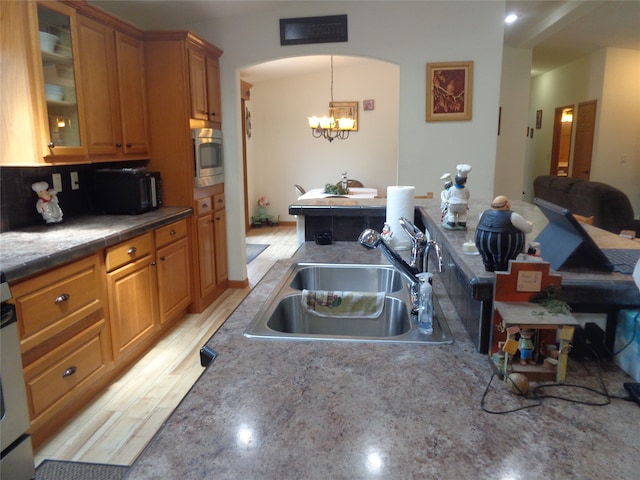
(239, 283)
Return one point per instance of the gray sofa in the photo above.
(610, 208)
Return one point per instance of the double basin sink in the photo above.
(284, 317)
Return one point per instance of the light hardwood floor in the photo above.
(118, 424)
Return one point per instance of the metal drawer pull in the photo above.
(69, 371)
(205, 205)
(172, 232)
(132, 250)
(62, 298)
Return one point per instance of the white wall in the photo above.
(570, 84)
(610, 76)
(283, 151)
(409, 34)
(616, 158)
(511, 155)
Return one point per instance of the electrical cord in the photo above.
(538, 393)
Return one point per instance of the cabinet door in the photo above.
(174, 279)
(132, 301)
(57, 31)
(133, 100)
(206, 254)
(220, 227)
(97, 62)
(198, 84)
(213, 90)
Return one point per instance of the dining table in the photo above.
(353, 192)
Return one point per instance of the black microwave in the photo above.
(126, 190)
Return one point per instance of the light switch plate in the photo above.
(75, 183)
(56, 179)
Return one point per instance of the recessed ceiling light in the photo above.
(511, 18)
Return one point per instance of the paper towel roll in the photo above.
(400, 203)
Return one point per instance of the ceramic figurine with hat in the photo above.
(47, 204)
(456, 199)
(500, 235)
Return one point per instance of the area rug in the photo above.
(62, 470)
(253, 250)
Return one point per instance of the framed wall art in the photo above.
(344, 110)
(449, 91)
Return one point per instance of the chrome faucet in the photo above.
(369, 238)
(421, 245)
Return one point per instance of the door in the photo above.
(583, 149)
(561, 147)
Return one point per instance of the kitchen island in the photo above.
(466, 281)
(271, 409)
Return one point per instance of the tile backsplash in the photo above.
(18, 200)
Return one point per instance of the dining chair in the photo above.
(299, 189)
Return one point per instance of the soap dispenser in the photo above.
(425, 303)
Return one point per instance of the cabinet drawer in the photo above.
(218, 201)
(171, 233)
(54, 375)
(203, 206)
(55, 296)
(129, 251)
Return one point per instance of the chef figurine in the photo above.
(500, 235)
(456, 199)
(386, 233)
(448, 183)
(47, 204)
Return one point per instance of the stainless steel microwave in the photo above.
(207, 154)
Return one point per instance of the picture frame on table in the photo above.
(449, 91)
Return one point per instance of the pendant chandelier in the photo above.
(330, 127)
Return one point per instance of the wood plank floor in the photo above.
(118, 424)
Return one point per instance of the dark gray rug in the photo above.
(253, 250)
(62, 470)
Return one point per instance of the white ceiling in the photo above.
(558, 31)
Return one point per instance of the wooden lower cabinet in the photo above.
(220, 234)
(133, 299)
(206, 257)
(65, 340)
(211, 241)
(83, 323)
(174, 270)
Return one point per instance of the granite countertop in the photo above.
(580, 283)
(271, 409)
(27, 251)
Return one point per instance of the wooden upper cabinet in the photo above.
(198, 84)
(213, 90)
(133, 97)
(97, 61)
(60, 79)
(73, 83)
(114, 86)
(204, 81)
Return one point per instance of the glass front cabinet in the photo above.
(58, 50)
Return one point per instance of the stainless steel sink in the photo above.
(290, 317)
(354, 278)
(283, 317)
